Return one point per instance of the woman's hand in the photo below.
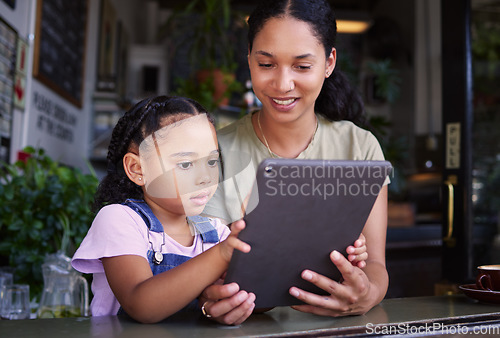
(359, 290)
(357, 252)
(226, 304)
(350, 297)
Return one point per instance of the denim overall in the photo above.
(160, 264)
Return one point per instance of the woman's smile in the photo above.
(284, 104)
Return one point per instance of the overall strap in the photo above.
(201, 224)
(143, 209)
(204, 227)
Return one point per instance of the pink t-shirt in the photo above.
(118, 230)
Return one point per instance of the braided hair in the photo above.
(338, 100)
(142, 120)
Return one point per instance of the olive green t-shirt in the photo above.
(242, 151)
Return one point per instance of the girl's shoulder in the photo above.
(117, 213)
(114, 209)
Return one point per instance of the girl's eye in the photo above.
(185, 165)
(212, 163)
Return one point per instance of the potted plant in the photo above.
(45, 207)
(209, 91)
(203, 29)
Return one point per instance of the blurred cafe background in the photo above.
(428, 70)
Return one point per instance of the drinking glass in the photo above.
(15, 301)
(6, 278)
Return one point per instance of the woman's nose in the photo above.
(285, 82)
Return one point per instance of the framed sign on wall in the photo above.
(8, 44)
(59, 60)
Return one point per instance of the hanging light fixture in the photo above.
(352, 26)
(352, 22)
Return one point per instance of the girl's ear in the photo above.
(133, 169)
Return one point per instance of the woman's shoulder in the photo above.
(350, 140)
(345, 128)
(235, 131)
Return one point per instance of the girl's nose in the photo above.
(203, 174)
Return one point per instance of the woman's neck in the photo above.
(285, 139)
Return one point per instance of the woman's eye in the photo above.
(185, 165)
(265, 65)
(212, 163)
(303, 67)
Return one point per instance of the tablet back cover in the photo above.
(305, 210)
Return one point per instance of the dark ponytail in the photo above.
(143, 119)
(338, 100)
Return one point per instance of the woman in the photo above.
(306, 111)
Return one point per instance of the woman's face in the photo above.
(288, 67)
(180, 165)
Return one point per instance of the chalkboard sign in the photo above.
(60, 47)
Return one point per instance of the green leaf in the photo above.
(29, 150)
(37, 224)
(8, 192)
(65, 174)
(40, 177)
(15, 226)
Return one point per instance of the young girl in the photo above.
(149, 252)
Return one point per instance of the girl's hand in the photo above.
(357, 253)
(232, 242)
(227, 304)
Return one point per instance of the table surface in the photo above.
(452, 315)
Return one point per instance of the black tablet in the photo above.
(301, 211)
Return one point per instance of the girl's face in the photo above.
(180, 165)
(288, 67)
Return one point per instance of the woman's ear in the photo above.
(331, 60)
(133, 169)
